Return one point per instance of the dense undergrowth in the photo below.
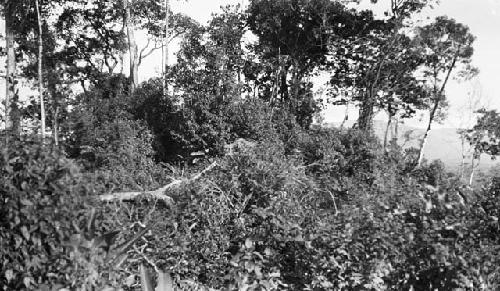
(296, 209)
(244, 190)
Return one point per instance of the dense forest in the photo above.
(217, 173)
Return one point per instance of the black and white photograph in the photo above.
(254, 145)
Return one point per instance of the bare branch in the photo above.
(143, 49)
(158, 193)
(143, 55)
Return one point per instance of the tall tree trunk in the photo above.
(366, 113)
(40, 76)
(54, 97)
(346, 116)
(121, 56)
(395, 136)
(423, 142)
(365, 120)
(462, 163)
(12, 116)
(275, 89)
(474, 167)
(296, 80)
(386, 134)
(55, 125)
(132, 48)
(166, 50)
(284, 85)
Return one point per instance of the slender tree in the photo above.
(469, 113)
(447, 45)
(484, 138)
(12, 122)
(132, 46)
(160, 25)
(40, 74)
(165, 48)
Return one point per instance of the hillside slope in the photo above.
(443, 144)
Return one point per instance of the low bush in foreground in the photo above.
(308, 214)
(42, 205)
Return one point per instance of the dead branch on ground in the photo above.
(158, 193)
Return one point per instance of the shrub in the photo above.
(202, 238)
(433, 174)
(251, 119)
(122, 157)
(42, 205)
(263, 218)
(342, 162)
(175, 133)
(181, 124)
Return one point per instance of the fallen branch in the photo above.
(158, 193)
(334, 203)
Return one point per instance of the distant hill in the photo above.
(443, 144)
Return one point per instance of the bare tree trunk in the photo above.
(166, 50)
(296, 80)
(134, 69)
(365, 120)
(40, 76)
(132, 48)
(423, 143)
(55, 125)
(12, 117)
(474, 167)
(462, 163)
(396, 130)
(386, 134)
(51, 91)
(285, 97)
(124, 27)
(346, 116)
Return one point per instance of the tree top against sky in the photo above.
(482, 17)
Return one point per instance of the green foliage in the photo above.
(263, 220)
(252, 119)
(446, 47)
(294, 40)
(484, 137)
(336, 213)
(432, 174)
(123, 156)
(180, 129)
(337, 159)
(254, 186)
(42, 205)
(117, 150)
